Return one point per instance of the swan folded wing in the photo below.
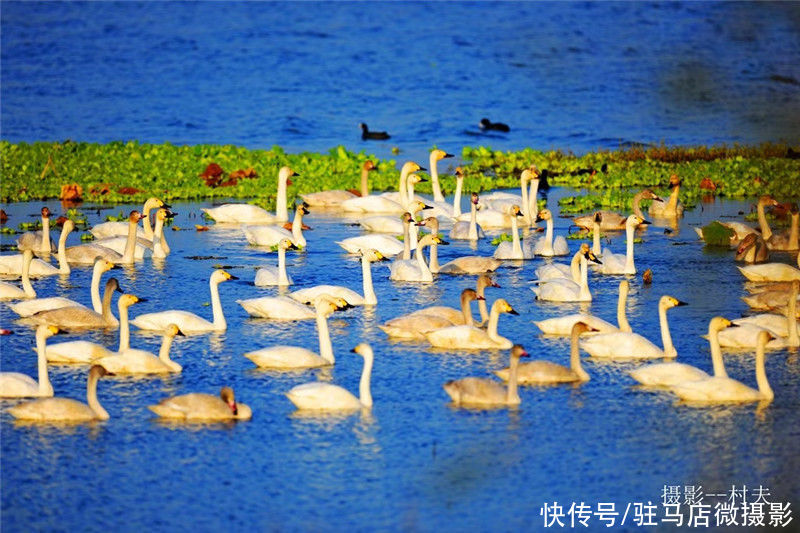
(17, 385)
(464, 337)
(414, 327)
(562, 325)
(240, 214)
(470, 265)
(327, 198)
(113, 229)
(36, 305)
(387, 246)
(558, 290)
(406, 270)
(554, 271)
(322, 396)
(312, 293)
(69, 318)
(770, 272)
(286, 357)
(265, 235)
(75, 352)
(613, 263)
(133, 361)
(622, 345)
(372, 204)
(269, 275)
(716, 389)
(11, 265)
(279, 308)
(539, 372)
(186, 321)
(476, 391)
(54, 410)
(193, 406)
(667, 374)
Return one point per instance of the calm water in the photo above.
(302, 75)
(415, 462)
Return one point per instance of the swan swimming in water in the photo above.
(272, 235)
(466, 337)
(563, 325)
(416, 324)
(252, 214)
(566, 290)
(271, 275)
(353, 298)
(79, 317)
(17, 385)
(120, 229)
(201, 407)
(547, 246)
(133, 361)
(9, 291)
(484, 392)
(334, 198)
(619, 263)
(38, 241)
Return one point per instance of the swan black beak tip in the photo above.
(139, 300)
(680, 303)
(645, 222)
(353, 350)
(233, 277)
(513, 312)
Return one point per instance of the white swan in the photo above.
(384, 204)
(120, 229)
(547, 246)
(415, 269)
(613, 221)
(65, 409)
(334, 198)
(468, 230)
(201, 407)
(563, 325)
(487, 218)
(513, 249)
(456, 316)
(746, 336)
(271, 275)
(672, 373)
(38, 241)
(771, 271)
(671, 208)
(484, 392)
(17, 385)
(392, 224)
(85, 254)
(473, 338)
(252, 214)
(628, 345)
(436, 156)
(30, 307)
(276, 308)
(155, 247)
(566, 290)
(439, 206)
(319, 396)
(386, 245)
(546, 372)
(79, 317)
(143, 362)
(416, 324)
(186, 321)
(272, 235)
(11, 265)
(618, 263)
(722, 389)
(353, 298)
(502, 202)
(561, 271)
(293, 357)
(9, 291)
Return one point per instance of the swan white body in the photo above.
(746, 335)
(468, 229)
(563, 325)
(387, 246)
(79, 317)
(276, 308)
(320, 396)
(272, 235)
(85, 254)
(17, 385)
(9, 291)
(186, 321)
(133, 361)
(252, 214)
(564, 290)
(771, 271)
(353, 298)
(120, 229)
(271, 275)
(383, 203)
(417, 269)
(472, 338)
(513, 249)
(335, 198)
(548, 246)
(618, 263)
(570, 272)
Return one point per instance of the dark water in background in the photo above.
(576, 76)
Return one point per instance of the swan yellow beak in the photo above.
(230, 276)
(53, 329)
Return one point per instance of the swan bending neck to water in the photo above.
(672, 373)
(722, 389)
(320, 396)
(483, 392)
(65, 409)
(436, 156)
(17, 385)
(197, 406)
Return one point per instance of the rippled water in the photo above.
(302, 75)
(414, 462)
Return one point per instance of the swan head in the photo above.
(718, 323)
(45, 212)
(438, 155)
(763, 338)
(173, 330)
(407, 218)
(485, 281)
(459, 172)
(588, 254)
(535, 172)
(647, 194)
(668, 302)
(418, 206)
(544, 214)
(429, 239)
(220, 275)
(410, 167)
(598, 217)
(432, 223)
(369, 166)
(413, 179)
(240, 411)
(285, 173)
(635, 220)
(135, 217)
(674, 180)
(302, 209)
(287, 244)
(580, 328)
(68, 226)
(46, 331)
(102, 264)
(127, 300)
(515, 211)
(518, 351)
(153, 203)
(748, 242)
(503, 306)
(328, 304)
(467, 295)
(97, 372)
(373, 255)
(767, 200)
(474, 198)
(363, 349)
(164, 214)
(112, 285)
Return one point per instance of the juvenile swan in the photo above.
(320, 396)
(79, 317)
(65, 409)
(17, 385)
(484, 392)
(201, 407)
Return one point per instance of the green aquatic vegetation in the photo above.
(87, 237)
(715, 234)
(584, 236)
(8, 231)
(503, 237)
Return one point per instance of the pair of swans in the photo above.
(416, 324)
(335, 198)
(120, 229)
(78, 316)
(133, 361)
(549, 373)
(252, 214)
(319, 396)
(567, 290)
(439, 206)
(202, 407)
(18, 385)
(38, 241)
(672, 208)
(502, 201)
(65, 410)
(186, 321)
(9, 291)
(484, 392)
(783, 328)
(295, 357)
(466, 337)
(468, 230)
(613, 221)
(547, 246)
(572, 271)
(156, 245)
(268, 276)
(563, 325)
(350, 296)
(272, 235)
(417, 269)
(619, 263)
(396, 225)
(514, 249)
(388, 202)
(629, 345)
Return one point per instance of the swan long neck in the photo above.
(433, 259)
(325, 346)
(766, 232)
(672, 203)
(575, 267)
(585, 295)
(216, 305)
(403, 188)
(91, 398)
(406, 240)
(637, 207)
(548, 237)
(45, 387)
(281, 211)
(630, 266)
(494, 319)
(794, 232)
(366, 275)
(297, 227)
(45, 247)
(94, 289)
(482, 309)
(437, 191)
(516, 247)
(466, 310)
(130, 244)
(124, 329)
(666, 338)
(533, 206)
(761, 372)
(410, 192)
(158, 239)
(108, 316)
(575, 356)
(148, 230)
(622, 315)
(512, 396)
(27, 288)
(791, 313)
(596, 250)
(717, 362)
(163, 352)
(364, 182)
(63, 264)
(426, 272)
(472, 234)
(526, 212)
(412, 232)
(457, 198)
(364, 390)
